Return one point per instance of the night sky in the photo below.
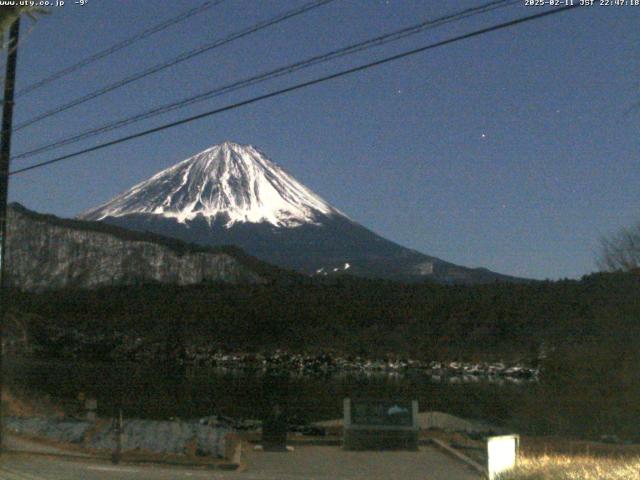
(516, 150)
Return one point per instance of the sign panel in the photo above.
(502, 454)
(380, 424)
(381, 413)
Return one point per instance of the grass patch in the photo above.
(566, 467)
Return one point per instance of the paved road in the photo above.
(21, 467)
(305, 463)
(333, 463)
(14, 442)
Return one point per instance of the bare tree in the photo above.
(621, 251)
(9, 14)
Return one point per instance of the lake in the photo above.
(161, 392)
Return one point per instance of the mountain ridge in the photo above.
(232, 194)
(232, 180)
(45, 251)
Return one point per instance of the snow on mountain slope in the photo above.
(232, 194)
(230, 181)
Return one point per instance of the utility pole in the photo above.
(5, 155)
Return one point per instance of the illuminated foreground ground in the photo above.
(322, 463)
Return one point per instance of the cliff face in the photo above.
(45, 252)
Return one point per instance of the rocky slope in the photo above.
(46, 252)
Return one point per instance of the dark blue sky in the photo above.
(513, 151)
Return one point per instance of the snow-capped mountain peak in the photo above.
(236, 183)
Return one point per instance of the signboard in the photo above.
(380, 424)
(502, 454)
(381, 413)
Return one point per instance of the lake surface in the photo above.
(161, 392)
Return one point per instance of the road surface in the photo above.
(304, 463)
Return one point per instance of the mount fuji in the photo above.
(232, 194)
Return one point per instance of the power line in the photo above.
(281, 71)
(175, 61)
(299, 86)
(118, 46)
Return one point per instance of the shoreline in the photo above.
(281, 363)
